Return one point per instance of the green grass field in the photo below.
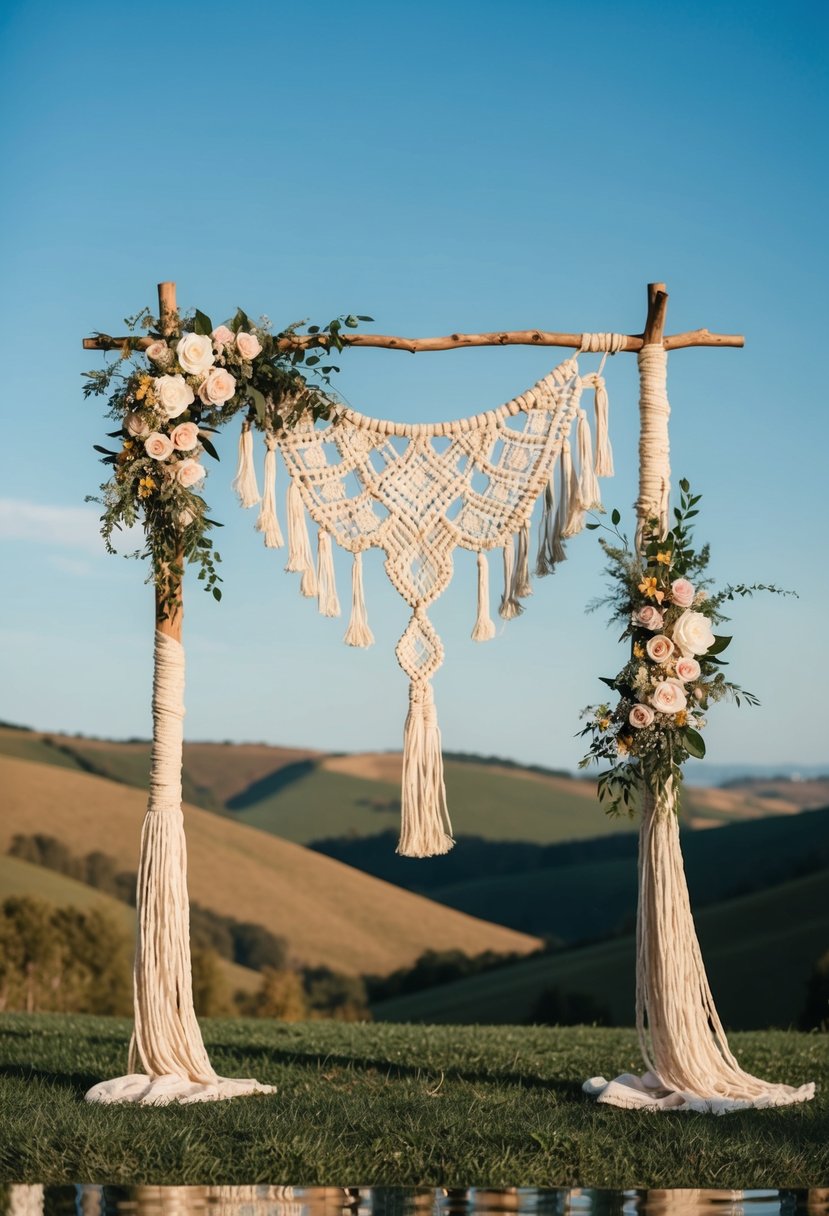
(758, 951)
(396, 1105)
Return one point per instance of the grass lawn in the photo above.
(379, 1104)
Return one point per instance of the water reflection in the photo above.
(401, 1201)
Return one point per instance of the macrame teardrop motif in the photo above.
(418, 492)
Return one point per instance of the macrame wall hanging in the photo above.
(418, 492)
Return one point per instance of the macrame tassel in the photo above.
(604, 452)
(358, 632)
(509, 607)
(299, 544)
(590, 496)
(484, 629)
(557, 550)
(544, 564)
(244, 483)
(425, 829)
(267, 522)
(329, 604)
(574, 519)
(521, 585)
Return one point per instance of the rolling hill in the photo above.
(329, 913)
(759, 951)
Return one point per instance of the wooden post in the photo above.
(169, 601)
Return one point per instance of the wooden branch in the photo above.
(657, 308)
(520, 337)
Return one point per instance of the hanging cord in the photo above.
(328, 600)
(484, 630)
(510, 606)
(244, 483)
(358, 632)
(267, 521)
(299, 544)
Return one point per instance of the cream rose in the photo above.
(682, 592)
(248, 345)
(185, 436)
(687, 670)
(136, 425)
(188, 472)
(693, 634)
(195, 353)
(659, 648)
(641, 716)
(222, 336)
(648, 617)
(158, 446)
(218, 387)
(159, 352)
(669, 697)
(174, 395)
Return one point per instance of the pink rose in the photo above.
(648, 617)
(659, 648)
(159, 352)
(669, 697)
(136, 425)
(222, 336)
(158, 446)
(185, 436)
(687, 670)
(217, 388)
(188, 472)
(682, 593)
(248, 345)
(640, 716)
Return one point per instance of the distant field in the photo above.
(758, 950)
(329, 913)
(398, 1106)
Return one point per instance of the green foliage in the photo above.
(555, 1007)
(815, 1014)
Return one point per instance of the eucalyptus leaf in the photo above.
(694, 742)
(202, 324)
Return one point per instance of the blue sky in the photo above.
(440, 167)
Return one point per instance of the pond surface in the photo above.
(400, 1201)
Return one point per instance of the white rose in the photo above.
(682, 592)
(222, 336)
(693, 633)
(669, 697)
(218, 387)
(659, 648)
(174, 395)
(185, 436)
(195, 353)
(648, 617)
(159, 352)
(640, 716)
(188, 472)
(136, 425)
(248, 345)
(158, 446)
(687, 670)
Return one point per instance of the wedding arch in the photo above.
(417, 492)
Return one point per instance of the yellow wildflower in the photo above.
(145, 487)
(145, 389)
(664, 558)
(681, 718)
(638, 650)
(623, 744)
(604, 723)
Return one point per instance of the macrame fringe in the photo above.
(510, 606)
(267, 523)
(484, 630)
(604, 452)
(358, 632)
(557, 550)
(425, 830)
(521, 585)
(574, 519)
(590, 496)
(299, 544)
(244, 483)
(328, 600)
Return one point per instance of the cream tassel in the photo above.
(604, 452)
(484, 629)
(358, 632)
(545, 562)
(557, 550)
(244, 483)
(329, 604)
(267, 521)
(509, 607)
(521, 585)
(425, 829)
(574, 519)
(299, 544)
(590, 496)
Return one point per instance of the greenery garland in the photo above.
(169, 399)
(675, 670)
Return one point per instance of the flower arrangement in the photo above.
(169, 399)
(663, 598)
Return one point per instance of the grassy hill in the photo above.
(329, 913)
(19, 877)
(758, 951)
(387, 1105)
